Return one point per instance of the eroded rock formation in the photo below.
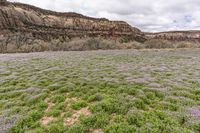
(176, 36)
(45, 24)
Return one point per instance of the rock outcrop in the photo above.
(193, 36)
(45, 24)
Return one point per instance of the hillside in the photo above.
(176, 35)
(26, 28)
(45, 24)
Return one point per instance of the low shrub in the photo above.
(158, 44)
(78, 105)
(89, 44)
(186, 44)
(36, 99)
(138, 103)
(96, 97)
(130, 45)
(35, 115)
(108, 106)
(120, 128)
(78, 128)
(98, 120)
(26, 122)
(54, 87)
(56, 128)
(54, 113)
(65, 89)
(58, 99)
(42, 105)
(60, 106)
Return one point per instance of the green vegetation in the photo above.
(78, 105)
(127, 91)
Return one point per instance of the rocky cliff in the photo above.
(193, 36)
(45, 24)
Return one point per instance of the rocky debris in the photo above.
(45, 24)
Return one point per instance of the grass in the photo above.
(107, 91)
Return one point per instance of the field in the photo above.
(110, 91)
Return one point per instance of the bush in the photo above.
(108, 106)
(120, 128)
(54, 113)
(89, 44)
(132, 91)
(19, 42)
(130, 45)
(107, 44)
(158, 44)
(151, 95)
(54, 87)
(154, 121)
(98, 120)
(58, 99)
(22, 125)
(56, 128)
(42, 105)
(35, 115)
(36, 99)
(37, 46)
(60, 106)
(96, 97)
(27, 43)
(65, 89)
(26, 122)
(138, 103)
(136, 119)
(185, 44)
(78, 128)
(78, 105)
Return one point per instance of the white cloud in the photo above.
(148, 15)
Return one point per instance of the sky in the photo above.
(147, 15)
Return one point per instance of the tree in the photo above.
(4, 41)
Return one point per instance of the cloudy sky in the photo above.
(148, 15)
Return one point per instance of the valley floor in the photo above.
(113, 91)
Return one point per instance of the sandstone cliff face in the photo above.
(44, 24)
(176, 36)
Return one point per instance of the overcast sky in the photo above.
(148, 15)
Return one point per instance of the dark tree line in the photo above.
(17, 40)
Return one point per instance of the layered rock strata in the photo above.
(45, 24)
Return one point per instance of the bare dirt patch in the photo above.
(50, 104)
(75, 117)
(46, 120)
